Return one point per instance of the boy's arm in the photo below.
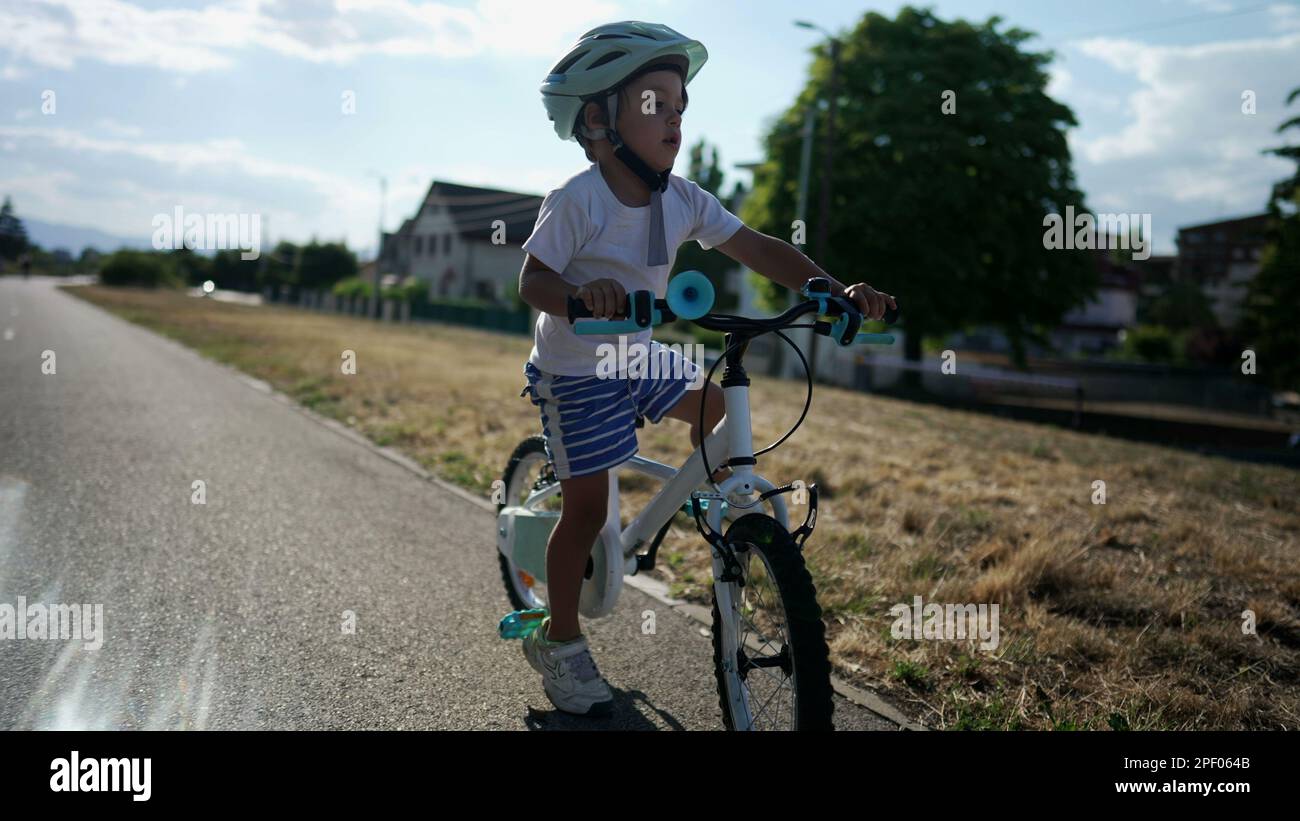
(782, 263)
(543, 288)
(775, 259)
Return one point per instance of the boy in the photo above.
(609, 230)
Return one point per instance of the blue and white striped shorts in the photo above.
(590, 422)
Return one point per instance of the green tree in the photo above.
(88, 262)
(320, 265)
(147, 269)
(943, 210)
(280, 266)
(13, 234)
(1150, 343)
(1268, 310)
(1182, 305)
(230, 272)
(193, 268)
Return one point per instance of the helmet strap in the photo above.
(656, 181)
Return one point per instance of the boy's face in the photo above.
(656, 137)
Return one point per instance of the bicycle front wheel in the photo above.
(779, 676)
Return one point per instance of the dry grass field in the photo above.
(1123, 615)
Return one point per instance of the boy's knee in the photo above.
(585, 499)
(714, 409)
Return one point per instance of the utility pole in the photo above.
(828, 165)
(800, 214)
(383, 196)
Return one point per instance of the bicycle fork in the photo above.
(728, 570)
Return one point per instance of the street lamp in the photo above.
(828, 161)
(383, 195)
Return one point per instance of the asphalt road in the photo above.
(229, 614)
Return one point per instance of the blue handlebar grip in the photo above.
(874, 339)
(690, 295)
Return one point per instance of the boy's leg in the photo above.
(585, 500)
(688, 410)
(589, 427)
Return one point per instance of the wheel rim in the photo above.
(762, 674)
(533, 472)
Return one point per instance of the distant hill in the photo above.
(73, 238)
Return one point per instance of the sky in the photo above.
(239, 107)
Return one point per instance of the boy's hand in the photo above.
(603, 297)
(870, 302)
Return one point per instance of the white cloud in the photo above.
(115, 129)
(1284, 17)
(1186, 119)
(1213, 6)
(61, 33)
(1060, 81)
(1172, 140)
(296, 201)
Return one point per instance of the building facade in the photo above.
(1222, 258)
(464, 241)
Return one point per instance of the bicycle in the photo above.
(768, 634)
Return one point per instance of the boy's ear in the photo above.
(593, 116)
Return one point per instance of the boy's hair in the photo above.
(599, 100)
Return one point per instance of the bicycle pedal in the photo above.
(519, 623)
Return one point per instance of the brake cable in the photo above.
(704, 454)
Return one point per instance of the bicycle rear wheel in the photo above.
(528, 470)
(779, 678)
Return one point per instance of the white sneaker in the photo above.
(569, 674)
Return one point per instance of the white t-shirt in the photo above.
(584, 233)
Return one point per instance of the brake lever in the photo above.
(845, 328)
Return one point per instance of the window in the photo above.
(446, 243)
(419, 246)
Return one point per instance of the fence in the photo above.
(969, 383)
(488, 317)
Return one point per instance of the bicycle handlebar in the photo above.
(690, 296)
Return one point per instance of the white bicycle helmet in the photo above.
(604, 59)
(598, 65)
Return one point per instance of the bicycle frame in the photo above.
(732, 437)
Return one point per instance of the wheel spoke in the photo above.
(752, 606)
(768, 701)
